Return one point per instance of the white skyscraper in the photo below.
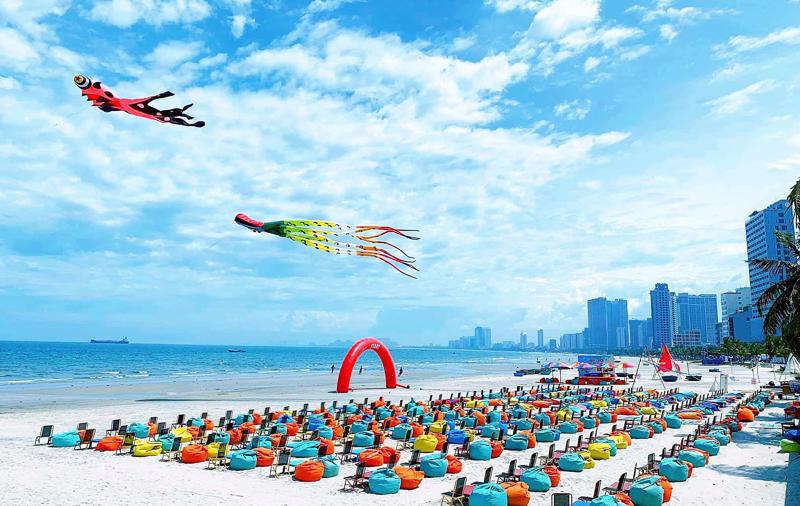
(730, 303)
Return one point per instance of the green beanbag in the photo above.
(789, 446)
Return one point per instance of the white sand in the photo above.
(749, 469)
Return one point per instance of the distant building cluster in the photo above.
(682, 319)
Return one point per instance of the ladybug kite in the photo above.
(102, 98)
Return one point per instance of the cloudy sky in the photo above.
(549, 152)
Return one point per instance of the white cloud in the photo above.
(462, 43)
(735, 101)
(634, 53)
(317, 6)
(743, 43)
(785, 164)
(591, 63)
(25, 14)
(564, 16)
(15, 48)
(573, 109)
(8, 83)
(503, 6)
(238, 24)
(667, 32)
(126, 13)
(170, 54)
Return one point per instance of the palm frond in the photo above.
(775, 267)
(788, 241)
(783, 308)
(794, 200)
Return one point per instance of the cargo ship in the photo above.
(124, 340)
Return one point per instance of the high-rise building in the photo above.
(641, 333)
(540, 338)
(763, 243)
(572, 341)
(741, 325)
(608, 323)
(553, 344)
(698, 313)
(523, 340)
(664, 315)
(730, 302)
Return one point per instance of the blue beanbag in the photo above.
(325, 432)
(673, 470)
(490, 431)
(358, 426)
(305, 449)
(456, 437)
(399, 431)
(792, 435)
(517, 442)
(696, 459)
(546, 435)
(571, 461)
(65, 439)
(604, 416)
(707, 445)
(639, 432)
(610, 442)
(480, 450)
(139, 430)
(433, 466)
(673, 422)
(331, 466)
(722, 437)
(243, 460)
(568, 428)
(488, 494)
(589, 422)
(536, 479)
(383, 482)
(364, 438)
(647, 492)
(260, 442)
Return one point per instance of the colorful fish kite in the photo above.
(102, 98)
(359, 240)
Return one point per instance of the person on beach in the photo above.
(360, 370)
(333, 367)
(400, 373)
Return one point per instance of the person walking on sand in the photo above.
(400, 373)
(333, 367)
(360, 370)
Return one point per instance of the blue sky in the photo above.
(549, 151)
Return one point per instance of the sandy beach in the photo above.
(750, 466)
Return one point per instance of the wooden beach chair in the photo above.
(510, 474)
(221, 459)
(114, 430)
(173, 452)
(180, 422)
(531, 463)
(281, 465)
(46, 433)
(597, 488)
(87, 441)
(561, 499)
(622, 485)
(456, 496)
(356, 481)
(346, 455)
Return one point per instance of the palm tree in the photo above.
(782, 300)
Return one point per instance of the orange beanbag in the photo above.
(371, 457)
(517, 492)
(624, 499)
(257, 418)
(453, 465)
(541, 404)
(625, 436)
(209, 424)
(441, 439)
(291, 429)
(579, 424)
(310, 470)
(194, 431)
(109, 444)
(387, 453)
(667, 486)
(193, 454)
(531, 438)
(236, 436)
(497, 448)
(153, 429)
(264, 457)
(392, 421)
(554, 474)
(480, 418)
(338, 431)
(326, 446)
(625, 410)
(690, 468)
(417, 429)
(691, 415)
(745, 415)
(409, 478)
(275, 438)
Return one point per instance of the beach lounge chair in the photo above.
(281, 465)
(87, 441)
(456, 496)
(414, 460)
(509, 475)
(548, 459)
(531, 463)
(180, 422)
(357, 481)
(651, 467)
(463, 450)
(221, 459)
(346, 455)
(577, 446)
(114, 430)
(405, 442)
(597, 487)
(561, 499)
(46, 433)
(173, 452)
(161, 428)
(487, 477)
(83, 425)
(622, 485)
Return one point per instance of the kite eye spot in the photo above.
(81, 81)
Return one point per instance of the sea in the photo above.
(37, 362)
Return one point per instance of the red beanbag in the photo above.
(310, 470)
(371, 458)
(264, 457)
(497, 448)
(453, 465)
(109, 444)
(193, 454)
(409, 478)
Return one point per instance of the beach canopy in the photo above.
(562, 365)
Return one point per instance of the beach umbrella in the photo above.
(627, 365)
(561, 366)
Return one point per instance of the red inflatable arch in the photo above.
(360, 346)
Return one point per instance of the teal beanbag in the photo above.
(568, 428)
(696, 459)
(139, 430)
(494, 416)
(325, 432)
(542, 418)
(331, 466)
(243, 460)
(647, 492)
(65, 439)
(722, 437)
(488, 494)
(490, 431)
(196, 422)
(260, 442)
(223, 437)
(639, 432)
(589, 422)
(673, 422)
(536, 479)
(358, 426)
(433, 466)
(383, 482)
(571, 461)
(545, 435)
(610, 442)
(707, 445)
(480, 450)
(469, 421)
(364, 438)
(604, 416)
(657, 427)
(517, 442)
(305, 449)
(166, 441)
(280, 428)
(400, 431)
(523, 424)
(673, 470)
(603, 500)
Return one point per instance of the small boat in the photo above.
(693, 377)
(519, 373)
(236, 351)
(669, 378)
(716, 369)
(124, 340)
